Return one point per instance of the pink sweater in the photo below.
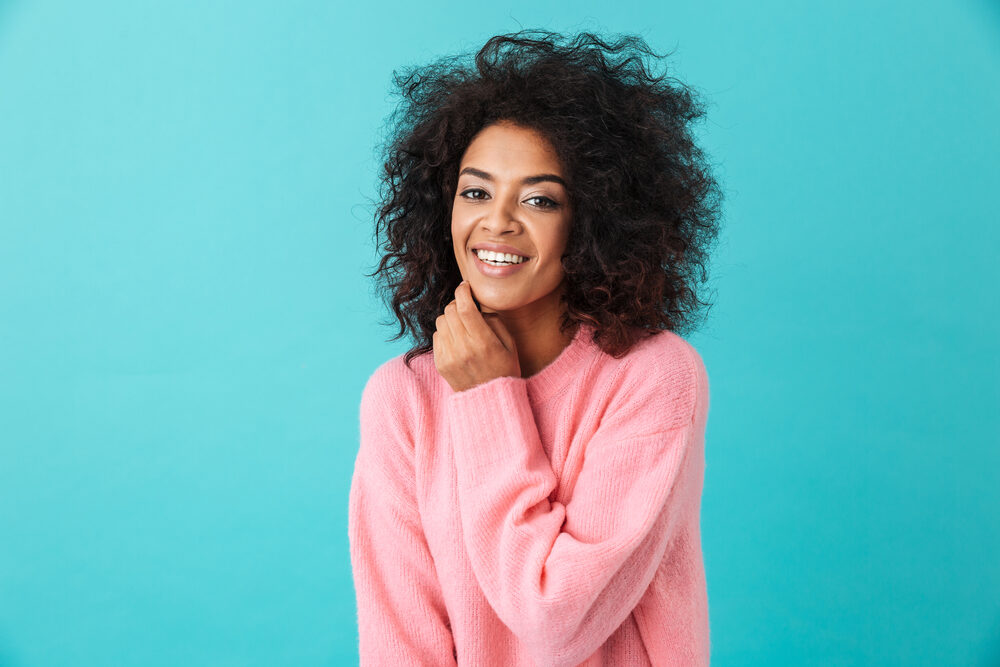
(548, 520)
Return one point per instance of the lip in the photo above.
(491, 271)
(499, 247)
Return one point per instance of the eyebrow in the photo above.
(527, 180)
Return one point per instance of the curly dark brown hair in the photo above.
(645, 204)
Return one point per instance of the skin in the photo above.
(515, 331)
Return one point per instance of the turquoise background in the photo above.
(185, 328)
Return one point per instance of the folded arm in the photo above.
(565, 577)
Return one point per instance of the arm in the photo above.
(402, 619)
(563, 578)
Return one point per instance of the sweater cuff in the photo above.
(492, 424)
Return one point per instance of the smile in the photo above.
(497, 270)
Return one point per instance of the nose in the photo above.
(501, 218)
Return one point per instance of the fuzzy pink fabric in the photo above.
(549, 520)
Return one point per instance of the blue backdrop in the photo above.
(185, 327)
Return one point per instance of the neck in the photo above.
(540, 352)
(536, 333)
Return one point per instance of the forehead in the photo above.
(510, 148)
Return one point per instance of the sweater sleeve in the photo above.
(402, 618)
(563, 578)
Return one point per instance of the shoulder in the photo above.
(389, 378)
(394, 387)
(393, 415)
(675, 360)
(668, 352)
(666, 373)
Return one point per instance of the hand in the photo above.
(471, 347)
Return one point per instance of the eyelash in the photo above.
(549, 205)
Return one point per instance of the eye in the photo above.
(470, 190)
(543, 202)
(546, 202)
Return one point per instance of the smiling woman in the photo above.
(509, 225)
(527, 490)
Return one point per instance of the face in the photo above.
(511, 198)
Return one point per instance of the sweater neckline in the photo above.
(560, 370)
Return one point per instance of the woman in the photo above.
(528, 486)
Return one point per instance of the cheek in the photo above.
(556, 247)
(459, 239)
(457, 226)
(552, 272)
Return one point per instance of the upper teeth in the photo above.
(500, 256)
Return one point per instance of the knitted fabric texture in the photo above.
(548, 521)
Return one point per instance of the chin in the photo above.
(493, 306)
(492, 299)
(486, 307)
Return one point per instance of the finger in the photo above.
(463, 345)
(436, 348)
(472, 318)
(443, 331)
(455, 321)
